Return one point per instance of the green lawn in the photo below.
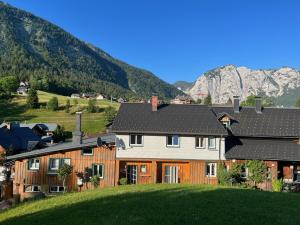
(15, 110)
(160, 204)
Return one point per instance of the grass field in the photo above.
(160, 204)
(16, 110)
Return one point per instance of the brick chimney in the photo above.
(236, 104)
(77, 134)
(154, 103)
(258, 106)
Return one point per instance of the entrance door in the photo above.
(132, 174)
(171, 174)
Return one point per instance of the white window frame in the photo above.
(135, 139)
(204, 142)
(37, 164)
(32, 188)
(50, 164)
(209, 173)
(143, 168)
(172, 145)
(215, 141)
(57, 189)
(98, 166)
(61, 162)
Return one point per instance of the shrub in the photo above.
(92, 108)
(277, 185)
(95, 180)
(75, 102)
(52, 104)
(68, 106)
(224, 176)
(110, 114)
(64, 173)
(123, 181)
(257, 171)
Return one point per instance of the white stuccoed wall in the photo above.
(154, 147)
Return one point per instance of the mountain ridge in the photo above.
(282, 85)
(55, 60)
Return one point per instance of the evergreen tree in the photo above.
(53, 104)
(68, 106)
(92, 108)
(32, 99)
(207, 100)
(110, 114)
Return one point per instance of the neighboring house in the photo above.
(36, 171)
(183, 143)
(121, 100)
(75, 95)
(100, 97)
(22, 90)
(89, 95)
(44, 130)
(181, 99)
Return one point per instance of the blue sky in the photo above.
(179, 40)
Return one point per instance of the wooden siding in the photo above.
(198, 173)
(101, 155)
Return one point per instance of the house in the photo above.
(184, 143)
(121, 100)
(89, 95)
(100, 97)
(75, 95)
(22, 90)
(35, 172)
(181, 99)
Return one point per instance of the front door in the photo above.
(171, 174)
(132, 174)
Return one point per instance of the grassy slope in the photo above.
(159, 204)
(16, 111)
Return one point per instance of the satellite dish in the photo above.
(99, 142)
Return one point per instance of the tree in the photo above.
(59, 134)
(52, 104)
(199, 101)
(95, 180)
(207, 100)
(257, 171)
(110, 114)
(92, 108)
(68, 106)
(64, 173)
(298, 103)
(9, 84)
(75, 102)
(250, 101)
(32, 99)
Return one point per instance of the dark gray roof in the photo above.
(168, 119)
(263, 149)
(272, 122)
(90, 142)
(20, 138)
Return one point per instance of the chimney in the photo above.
(154, 103)
(77, 134)
(236, 104)
(258, 106)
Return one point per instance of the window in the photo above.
(98, 170)
(136, 139)
(34, 164)
(173, 141)
(55, 164)
(226, 124)
(211, 169)
(56, 189)
(200, 142)
(32, 188)
(87, 151)
(143, 168)
(269, 173)
(212, 142)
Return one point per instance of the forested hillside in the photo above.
(54, 60)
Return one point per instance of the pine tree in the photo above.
(32, 99)
(207, 100)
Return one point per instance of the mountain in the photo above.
(282, 85)
(183, 85)
(54, 60)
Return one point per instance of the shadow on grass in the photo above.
(12, 111)
(174, 206)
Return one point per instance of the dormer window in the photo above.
(226, 124)
(226, 120)
(136, 140)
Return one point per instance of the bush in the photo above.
(110, 114)
(123, 181)
(224, 176)
(68, 106)
(32, 99)
(95, 180)
(257, 171)
(52, 104)
(277, 185)
(92, 108)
